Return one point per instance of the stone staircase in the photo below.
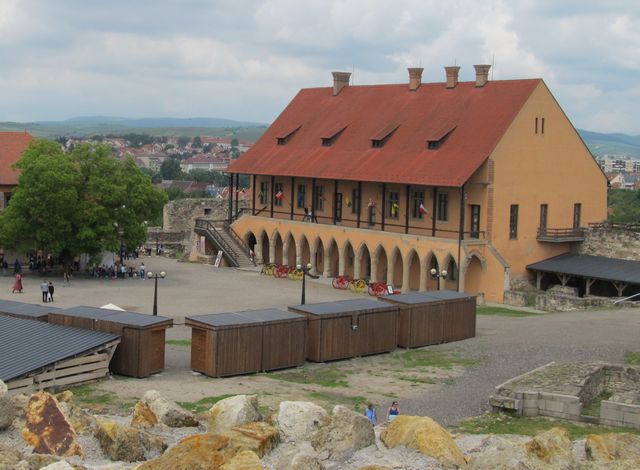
(232, 247)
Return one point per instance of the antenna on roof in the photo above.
(353, 74)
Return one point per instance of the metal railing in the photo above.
(207, 227)
(240, 242)
(560, 233)
(626, 298)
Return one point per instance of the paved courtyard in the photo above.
(503, 348)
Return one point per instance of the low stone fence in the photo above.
(619, 414)
(550, 301)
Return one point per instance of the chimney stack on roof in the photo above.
(340, 80)
(482, 74)
(415, 78)
(452, 76)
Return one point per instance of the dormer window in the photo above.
(284, 137)
(381, 137)
(436, 139)
(330, 136)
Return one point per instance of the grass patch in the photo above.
(632, 358)
(427, 358)
(202, 405)
(503, 423)
(87, 395)
(326, 376)
(179, 342)
(593, 408)
(357, 403)
(503, 312)
(418, 380)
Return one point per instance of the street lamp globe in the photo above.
(149, 274)
(444, 273)
(298, 266)
(163, 274)
(433, 271)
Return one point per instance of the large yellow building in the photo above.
(478, 179)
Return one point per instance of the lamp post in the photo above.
(155, 276)
(305, 272)
(438, 275)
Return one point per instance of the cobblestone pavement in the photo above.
(505, 346)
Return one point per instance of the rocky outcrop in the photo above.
(7, 408)
(127, 443)
(143, 417)
(47, 429)
(13, 459)
(233, 411)
(168, 412)
(200, 451)
(245, 460)
(613, 447)
(552, 448)
(61, 465)
(258, 437)
(424, 435)
(300, 421)
(347, 432)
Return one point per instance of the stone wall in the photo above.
(180, 215)
(611, 243)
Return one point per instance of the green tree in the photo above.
(183, 141)
(197, 142)
(625, 206)
(170, 169)
(85, 201)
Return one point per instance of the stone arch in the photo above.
(431, 262)
(250, 240)
(412, 271)
(362, 267)
(473, 273)
(332, 260)
(264, 244)
(277, 246)
(289, 250)
(450, 282)
(304, 251)
(347, 259)
(318, 256)
(396, 269)
(380, 264)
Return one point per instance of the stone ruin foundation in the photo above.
(565, 390)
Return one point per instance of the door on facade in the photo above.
(338, 208)
(475, 221)
(544, 209)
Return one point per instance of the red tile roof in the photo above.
(12, 145)
(479, 118)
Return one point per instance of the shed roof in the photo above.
(594, 267)
(480, 116)
(246, 317)
(414, 298)
(27, 345)
(133, 319)
(25, 310)
(341, 307)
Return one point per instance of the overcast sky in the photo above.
(246, 59)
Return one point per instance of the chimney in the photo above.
(482, 74)
(452, 76)
(340, 80)
(415, 78)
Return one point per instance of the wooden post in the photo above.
(406, 215)
(359, 209)
(271, 196)
(539, 276)
(293, 195)
(383, 211)
(588, 282)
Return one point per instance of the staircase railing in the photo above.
(240, 242)
(207, 227)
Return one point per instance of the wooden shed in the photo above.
(141, 350)
(434, 317)
(244, 342)
(25, 310)
(349, 328)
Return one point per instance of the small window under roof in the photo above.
(382, 136)
(331, 135)
(436, 138)
(283, 137)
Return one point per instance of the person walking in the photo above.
(17, 285)
(50, 290)
(44, 288)
(394, 411)
(370, 413)
(141, 273)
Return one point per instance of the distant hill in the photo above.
(617, 144)
(92, 125)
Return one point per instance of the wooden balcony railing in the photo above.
(560, 235)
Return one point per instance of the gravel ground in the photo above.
(510, 346)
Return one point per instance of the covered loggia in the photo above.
(348, 260)
(289, 250)
(381, 263)
(398, 268)
(413, 262)
(363, 263)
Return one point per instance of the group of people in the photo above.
(392, 413)
(47, 291)
(309, 216)
(117, 271)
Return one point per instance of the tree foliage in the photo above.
(170, 169)
(85, 201)
(625, 206)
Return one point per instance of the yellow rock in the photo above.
(197, 452)
(245, 460)
(143, 417)
(613, 447)
(374, 467)
(258, 437)
(64, 397)
(424, 435)
(553, 447)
